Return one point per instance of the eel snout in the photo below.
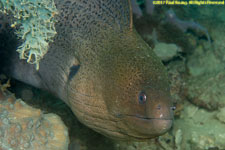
(156, 117)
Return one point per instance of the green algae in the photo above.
(35, 19)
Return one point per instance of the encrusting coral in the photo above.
(25, 128)
(36, 26)
(170, 17)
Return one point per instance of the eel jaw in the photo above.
(141, 128)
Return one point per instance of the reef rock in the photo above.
(166, 51)
(25, 128)
(199, 129)
(207, 91)
(205, 61)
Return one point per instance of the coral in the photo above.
(136, 9)
(207, 91)
(36, 20)
(160, 143)
(185, 25)
(166, 51)
(221, 115)
(3, 22)
(170, 18)
(204, 61)
(26, 128)
(198, 129)
(205, 83)
(149, 7)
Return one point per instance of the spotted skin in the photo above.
(98, 65)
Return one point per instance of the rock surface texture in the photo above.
(25, 128)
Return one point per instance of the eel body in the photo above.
(104, 71)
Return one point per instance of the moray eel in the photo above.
(105, 72)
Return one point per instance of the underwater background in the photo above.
(190, 40)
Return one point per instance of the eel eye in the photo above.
(142, 98)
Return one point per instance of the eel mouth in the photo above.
(148, 118)
(142, 128)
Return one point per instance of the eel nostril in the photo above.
(159, 107)
(173, 107)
